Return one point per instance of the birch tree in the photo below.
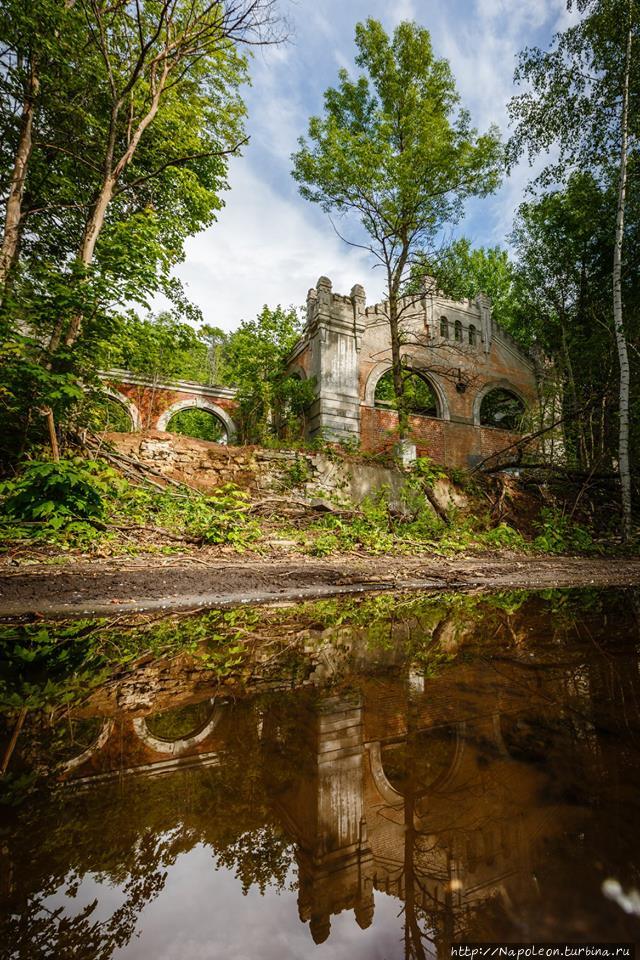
(581, 108)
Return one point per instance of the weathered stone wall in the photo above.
(259, 471)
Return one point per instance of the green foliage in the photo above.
(564, 252)
(159, 347)
(419, 397)
(254, 361)
(77, 502)
(560, 534)
(298, 473)
(462, 271)
(395, 152)
(426, 470)
(199, 424)
(108, 415)
(125, 162)
(504, 536)
(57, 494)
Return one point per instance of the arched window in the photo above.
(473, 335)
(444, 327)
(458, 331)
(501, 408)
(420, 398)
(179, 723)
(197, 423)
(429, 760)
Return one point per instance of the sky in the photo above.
(268, 244)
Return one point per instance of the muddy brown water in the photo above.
(419, 773)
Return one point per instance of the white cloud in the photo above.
(266, 248)
(402, 10)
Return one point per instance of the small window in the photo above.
(444, 327)
(458, 331)
(472, 335)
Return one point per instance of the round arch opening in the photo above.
(111, 412)
(502, 408)
(425, 765)
(180, 723)
(420, 396)
(198, 423)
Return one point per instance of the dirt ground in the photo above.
(110, 588)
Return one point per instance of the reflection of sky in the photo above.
(270, 245)
(201, 914)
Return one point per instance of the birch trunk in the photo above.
(14, 212)
(621, 341)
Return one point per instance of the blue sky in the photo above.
(269, 245)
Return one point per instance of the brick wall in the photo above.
(445, 441)
(153, 403)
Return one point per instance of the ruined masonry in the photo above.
(468, 365)
(455, 347)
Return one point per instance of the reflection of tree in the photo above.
(128, 834)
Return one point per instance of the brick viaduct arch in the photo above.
(151, 405)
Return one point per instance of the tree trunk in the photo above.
(621, 341)
(92, 230)
(14, 213)
(396, 366)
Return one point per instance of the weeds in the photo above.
(76, 502)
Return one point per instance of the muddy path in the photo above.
(85, 588)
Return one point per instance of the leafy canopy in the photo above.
(394, 148)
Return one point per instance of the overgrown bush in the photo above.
(74, 502)
(560, 534)
(59, 496)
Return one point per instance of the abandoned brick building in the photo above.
(471, 382)
(468, 382)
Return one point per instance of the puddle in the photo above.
(362, 778)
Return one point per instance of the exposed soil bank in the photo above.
(112, 588)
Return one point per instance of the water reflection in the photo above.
(386, 814)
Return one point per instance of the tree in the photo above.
(128, 157)
(157, 56)
(563, 276)
(395, 151)
(582, 99)
(255, 362)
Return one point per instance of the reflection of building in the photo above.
(408, 789)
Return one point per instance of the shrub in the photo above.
(57, 494)
(559, 534)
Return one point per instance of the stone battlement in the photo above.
(455, 346)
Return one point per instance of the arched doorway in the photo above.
(200, 419)
(113, 412)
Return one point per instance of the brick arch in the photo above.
(105, 732)
(198, 403)
(384, 366)
(489, 388)
(173, 747)
(128, 404)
